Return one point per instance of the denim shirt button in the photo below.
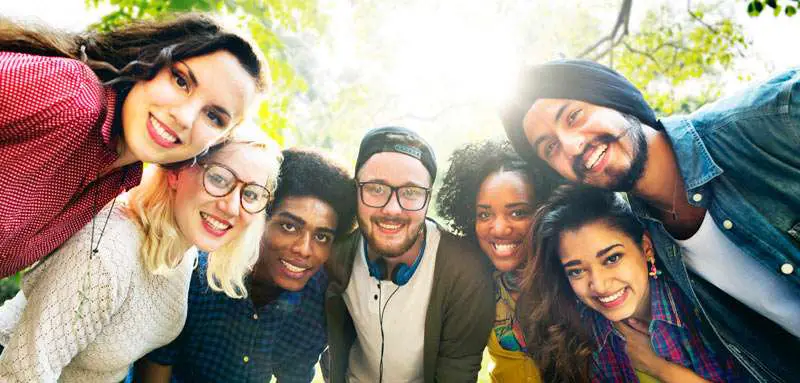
(787, 268)
(697, 197)
(727, 224)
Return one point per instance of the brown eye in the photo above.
(574, 116)
(613, 258)
(179, 79)
(549, 147)
(574, 273)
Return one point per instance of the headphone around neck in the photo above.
(401, 274)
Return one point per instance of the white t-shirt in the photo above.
(403, 319)
(713, 257)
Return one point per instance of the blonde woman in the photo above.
(118, 288)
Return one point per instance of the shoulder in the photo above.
(317, 284)
(51, 72)
(460, 255)
(340, 263)
(766, 98)
(117, 240)
(109, 270)
(50, 81)
(463, 272)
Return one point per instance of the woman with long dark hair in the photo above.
(79, 113)
(489, 195)
(597, 309)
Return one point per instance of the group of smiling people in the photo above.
(598, 243)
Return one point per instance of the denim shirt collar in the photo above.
(695, 163)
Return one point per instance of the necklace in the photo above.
(108, 216)
(86, 283)
(672, 212)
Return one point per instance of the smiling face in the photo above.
(210, 222)
(392, 231)
(504, 214)
(608, 270)
(587, 143)
(185, 108)
(297, 242)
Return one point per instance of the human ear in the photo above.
(172, 179)
(647, 246)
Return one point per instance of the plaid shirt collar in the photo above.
(662, 306)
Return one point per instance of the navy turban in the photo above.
(580, 80)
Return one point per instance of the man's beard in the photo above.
(395, 250)
(622, 181)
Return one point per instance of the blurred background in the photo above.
(443, 67)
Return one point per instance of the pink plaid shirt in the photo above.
(55, 139)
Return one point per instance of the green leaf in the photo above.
(754, 8)
(790, 10)
(772, 3)
(777, 11)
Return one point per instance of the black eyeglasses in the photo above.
(376, 194)
(219, 181)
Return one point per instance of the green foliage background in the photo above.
(676, 56)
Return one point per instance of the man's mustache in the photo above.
(605, 139)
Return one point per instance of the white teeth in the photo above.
(595, 157)
(215, 223)
(293, 268)
(161, 131)
(611, 297)
(505, 248)
(389, 226)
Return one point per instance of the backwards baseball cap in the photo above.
(580, 80)
(399, 140)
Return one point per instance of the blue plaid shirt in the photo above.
(228, 340)
(674, 336)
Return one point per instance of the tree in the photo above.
(270, 22)
(673, 48)
(787, 7)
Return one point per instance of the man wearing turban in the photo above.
(718, 190)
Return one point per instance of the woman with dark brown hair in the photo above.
(596, 308)
(79, 113)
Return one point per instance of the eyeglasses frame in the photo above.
(206, 165)
(392, 190)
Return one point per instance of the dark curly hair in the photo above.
(309, 173)
(469, 166)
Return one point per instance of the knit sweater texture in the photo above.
(78, 319)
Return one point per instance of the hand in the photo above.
(637, 346)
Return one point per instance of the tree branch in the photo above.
(698, 18)
(621, 25)
(645, 54)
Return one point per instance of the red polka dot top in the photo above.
(55, 139)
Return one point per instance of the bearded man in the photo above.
(407, 301)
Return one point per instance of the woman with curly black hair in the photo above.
(488, 196)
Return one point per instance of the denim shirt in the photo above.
(740, 160)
